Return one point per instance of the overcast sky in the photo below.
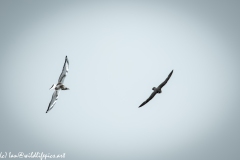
(118, 51)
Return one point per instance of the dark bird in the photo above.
(156, 90)
(59, 86)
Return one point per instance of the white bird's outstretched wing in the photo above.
(53, 100)
(64, 71)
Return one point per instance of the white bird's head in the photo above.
(53, 86)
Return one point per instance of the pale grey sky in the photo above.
(118, 51)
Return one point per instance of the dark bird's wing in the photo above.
(151, 96)
(166, 80)
(53, 100)
(64, 71)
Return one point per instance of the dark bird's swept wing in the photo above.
(151, 97)
(157, 89)
(53, 100)
(166, 80)
(64, 71)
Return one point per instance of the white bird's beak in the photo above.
(52, 87)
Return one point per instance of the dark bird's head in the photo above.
(154, 88)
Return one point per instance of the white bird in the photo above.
(59, 86)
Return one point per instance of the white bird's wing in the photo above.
(64, 71)
(53, 100)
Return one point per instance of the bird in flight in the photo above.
(156, 90)
(59, 86)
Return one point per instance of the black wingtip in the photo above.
(46, 111)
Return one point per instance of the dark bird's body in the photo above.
(157, 90)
